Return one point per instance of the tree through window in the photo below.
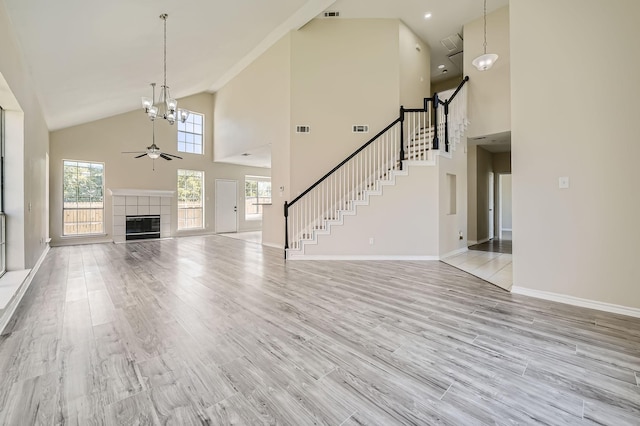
(83, 204)
(190, 199)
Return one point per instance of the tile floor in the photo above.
(492, 267)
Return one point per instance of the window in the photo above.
(190, 133)
(257, 192)
(190, 199)
(83, 207)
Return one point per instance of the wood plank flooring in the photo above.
(212, 330)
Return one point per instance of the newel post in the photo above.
(286, 229)
(401, 135)
(436, 142)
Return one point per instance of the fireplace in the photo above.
(142, 227)
(140, 202)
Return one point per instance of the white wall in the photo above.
(489, 91)
(27, 142)
(581, 241)
(104, 140)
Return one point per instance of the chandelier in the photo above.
(485, 61)
(168, 104)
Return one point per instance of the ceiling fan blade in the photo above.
(165, 157)
(171, 155)
(140, 156)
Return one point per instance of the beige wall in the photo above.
(402, 222)
(27, 144)
(452, 226)
(343, 72)
(415, 68)
(254, 110)
(472, 194)
(489, 91)
(104, 140)
(501, 162)
(506, 203)
(444, 85)
(484, 168)
(581, 241)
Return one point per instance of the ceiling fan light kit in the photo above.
(486, 60)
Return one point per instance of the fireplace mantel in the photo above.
(142, 192)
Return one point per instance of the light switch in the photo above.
(563, 182)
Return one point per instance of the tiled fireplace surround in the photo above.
(137, 202)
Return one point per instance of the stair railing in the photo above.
(409, 137)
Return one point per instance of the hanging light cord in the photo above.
(485, 29)
(164, 18)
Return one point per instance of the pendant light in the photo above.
(486, 60)
(169, 105)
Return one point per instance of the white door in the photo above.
(491, 206)
(226, 206)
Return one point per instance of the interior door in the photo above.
(226, 206)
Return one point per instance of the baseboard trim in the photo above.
(360, 257)
(273, 245)
(11, 308)
(455, 252)
(577, 301)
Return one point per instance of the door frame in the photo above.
(235, 182)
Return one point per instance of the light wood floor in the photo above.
(212, 330)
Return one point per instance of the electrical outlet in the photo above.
(371, 241)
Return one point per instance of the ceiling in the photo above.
(499, 142)
(90, 60)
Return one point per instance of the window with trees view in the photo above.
(190, 199)
(83, 206)
(257, 192)
(190, 133)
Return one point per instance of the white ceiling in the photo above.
(94, 59)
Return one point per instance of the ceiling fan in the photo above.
(153, 151)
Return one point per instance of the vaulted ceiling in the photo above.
(90, 60)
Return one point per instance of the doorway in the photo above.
(226, 206)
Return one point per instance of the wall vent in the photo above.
(303, 129)
(331, 14)
(360, 128)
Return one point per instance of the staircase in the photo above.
(414, 138)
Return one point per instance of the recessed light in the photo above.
(445, 71)
(427, 15)
(441, 66)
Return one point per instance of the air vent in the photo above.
(303, 129)
(452, 43)
(333, 14)
(360, 128)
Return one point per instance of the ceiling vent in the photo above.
(303, 129)
(452, 43)
(360, 128)
(331, 14)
